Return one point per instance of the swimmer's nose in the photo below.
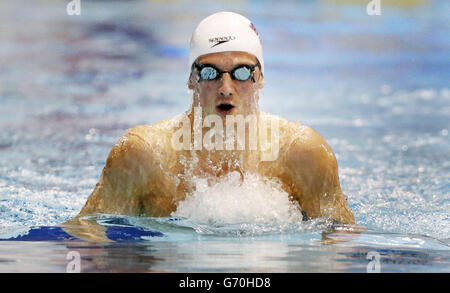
(226, 89)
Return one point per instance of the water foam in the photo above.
(237, 199)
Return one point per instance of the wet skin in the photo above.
(145, 175)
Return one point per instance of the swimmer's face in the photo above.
(227, 96)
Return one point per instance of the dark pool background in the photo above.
(376, 87)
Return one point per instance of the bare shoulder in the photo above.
(144, 149)
(298, 141)
(308, 148)
(313, 173)
(132, 165)
(135, 145)
(144, 140)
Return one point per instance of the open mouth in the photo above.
(225, 107)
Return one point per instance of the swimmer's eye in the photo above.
(209, 73)
(241, 72)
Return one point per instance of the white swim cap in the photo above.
(225, 31)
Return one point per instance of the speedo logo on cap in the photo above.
(220, 40)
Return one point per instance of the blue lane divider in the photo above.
(43, 233)
(122, 234)
(115, 233)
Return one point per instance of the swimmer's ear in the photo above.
(193, 81)
(261, 81)
(190, 82)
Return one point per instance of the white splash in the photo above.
(235, 201)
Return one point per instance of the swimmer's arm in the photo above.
(124, 179)
(315, 172)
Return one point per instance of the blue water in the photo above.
(377, 89)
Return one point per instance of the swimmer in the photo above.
(147, 175)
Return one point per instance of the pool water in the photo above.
(375, 87)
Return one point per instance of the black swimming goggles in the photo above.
(210, 72)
